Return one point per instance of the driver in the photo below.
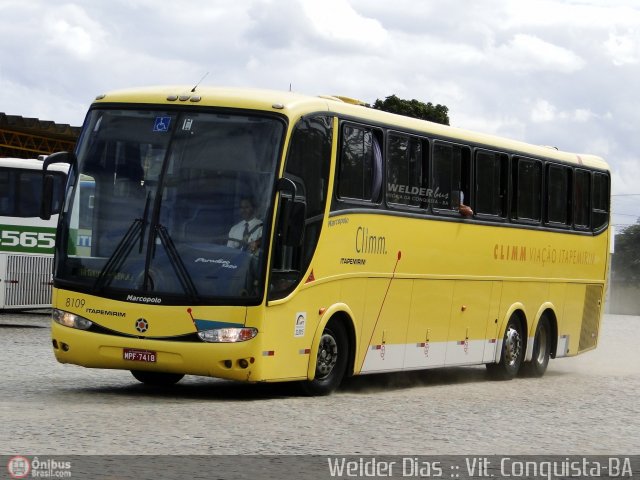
(247, 233)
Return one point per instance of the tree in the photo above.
(414, 108)
(626, 258)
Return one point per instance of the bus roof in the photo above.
(295, 105)
(31, 164)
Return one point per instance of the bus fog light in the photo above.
(70, 320)
(227, 335)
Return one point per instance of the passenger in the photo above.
(464, 210)
(247, 233)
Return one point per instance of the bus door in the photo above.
(386, 317)
(429, 323)
(474, 309)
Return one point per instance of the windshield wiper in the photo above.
(144, 224)
(121, 252)
(176, 262)
(123, 249)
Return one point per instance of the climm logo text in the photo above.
(369, 243)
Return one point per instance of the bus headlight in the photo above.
(227, 335)
(70, 320)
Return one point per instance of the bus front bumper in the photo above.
(233, 361)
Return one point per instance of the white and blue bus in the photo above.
(26, 241)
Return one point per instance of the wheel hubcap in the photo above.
(327, 356)
(513, 346)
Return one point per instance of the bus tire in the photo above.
(512, 352)
(331, 363)
(157, 379)
(541, 350)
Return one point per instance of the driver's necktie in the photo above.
(245, 235)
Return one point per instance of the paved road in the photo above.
(584, 405)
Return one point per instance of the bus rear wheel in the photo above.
(512, 352)
(331, 362)
(541, 350)
(157, 379)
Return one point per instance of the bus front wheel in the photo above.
(158, 379)
(541, 350)
(331, 362)
(511, 354)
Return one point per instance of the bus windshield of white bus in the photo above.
(175, 206)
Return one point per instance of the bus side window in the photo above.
(6, 194)
(491, 175)
(360, 170)
(29, 193)
(600, 200)
(451, 178)
(558, 195)
(407, 177)
(527, 204)
(582, 200)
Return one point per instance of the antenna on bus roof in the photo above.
(200, 81)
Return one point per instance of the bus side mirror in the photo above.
(47, 202)
(59, 157)
(46, 205)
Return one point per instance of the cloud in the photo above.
(337, 21)
(70, 30)
(555, 72)
(626, 178)
(581, 115)
(43, 103)
(528, 53)
(568, 16)
(543, 111)
(328, 27)
(624, 49)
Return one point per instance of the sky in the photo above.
(564, 73)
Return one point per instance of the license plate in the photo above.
(139, 355)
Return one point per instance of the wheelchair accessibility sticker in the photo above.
(161, 124)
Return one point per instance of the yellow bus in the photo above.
(270, 236)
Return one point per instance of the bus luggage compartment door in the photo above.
(27, 283)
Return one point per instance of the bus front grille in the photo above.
(590, 318)
(28, 281)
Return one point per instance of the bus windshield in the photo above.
(171, 204)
